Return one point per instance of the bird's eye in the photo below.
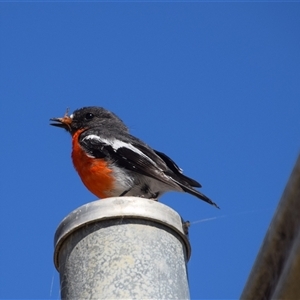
(89, 116)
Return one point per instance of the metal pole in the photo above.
(122, 248)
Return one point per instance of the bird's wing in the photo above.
(132, 155)
(138, 157)
(176, 170)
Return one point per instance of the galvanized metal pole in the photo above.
(122, 248)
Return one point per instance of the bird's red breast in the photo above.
(94, 173)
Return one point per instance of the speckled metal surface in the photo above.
(276, 271)
(131, 254)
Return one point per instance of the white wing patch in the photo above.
(116, 144)
(94, 137)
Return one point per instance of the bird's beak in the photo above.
(64, 122)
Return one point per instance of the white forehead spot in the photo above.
(71, 116)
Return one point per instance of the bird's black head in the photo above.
(88, 117)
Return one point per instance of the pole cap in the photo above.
(120, 208)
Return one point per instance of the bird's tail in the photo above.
(196, 193)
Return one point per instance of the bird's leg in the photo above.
(124, 193)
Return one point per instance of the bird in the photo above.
(113, 163)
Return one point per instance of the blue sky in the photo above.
(216, 86)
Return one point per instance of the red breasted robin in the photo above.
(111, 162)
